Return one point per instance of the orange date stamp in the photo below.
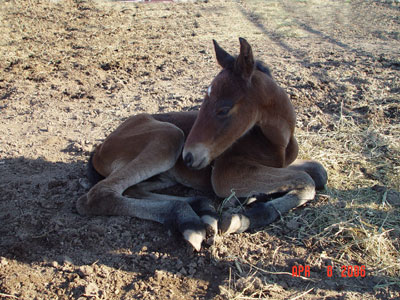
(345, 271)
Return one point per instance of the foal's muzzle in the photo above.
(196, 157)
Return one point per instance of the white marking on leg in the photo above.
(251, 200)
(234, 224)
(195, 238)
(211, 221)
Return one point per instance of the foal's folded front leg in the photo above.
(296, 187)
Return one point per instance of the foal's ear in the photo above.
(244, 65)
(224, 59)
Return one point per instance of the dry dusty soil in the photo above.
(71, 71)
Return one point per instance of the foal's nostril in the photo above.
(188, 159)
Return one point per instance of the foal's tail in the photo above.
(92, 174)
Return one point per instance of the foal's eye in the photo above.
(223, 111)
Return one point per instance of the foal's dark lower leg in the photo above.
(295, 191)
(205, 209)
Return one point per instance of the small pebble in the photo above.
(91, 289)
(54, 264)
(3, 261)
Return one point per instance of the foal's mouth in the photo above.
(201, 165)
(197, 157)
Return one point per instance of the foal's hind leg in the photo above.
(202, 206)
(249, 180)
(107, 198)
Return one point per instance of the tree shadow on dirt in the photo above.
(301, 55)
(349, 58)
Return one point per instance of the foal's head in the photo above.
(230, 107)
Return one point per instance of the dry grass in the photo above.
(351, 222)
(356, 223)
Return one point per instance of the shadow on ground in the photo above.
(40, 227)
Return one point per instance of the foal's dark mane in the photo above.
(260, 66)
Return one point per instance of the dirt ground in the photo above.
(71, 71)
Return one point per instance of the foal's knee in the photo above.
(314, 169)
(319, 175)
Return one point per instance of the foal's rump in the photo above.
(183, 120)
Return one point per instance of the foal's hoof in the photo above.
(194, 237)
(235, 223)
(194, 232)
(211, 223)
